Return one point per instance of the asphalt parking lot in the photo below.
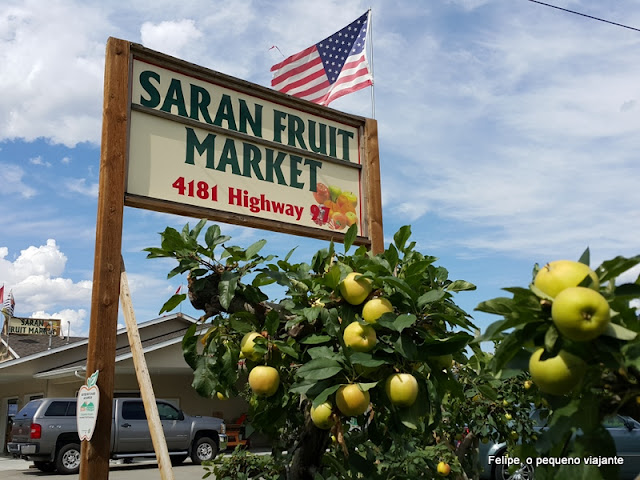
(12, 469)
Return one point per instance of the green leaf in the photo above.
(619, 332)
(350, 237)
(227, 288)
(488, 392)
(332, 277)
(254, 249)
(613, 268)
(401, 237)
(324, 395)
(401, 286)
(173, 302)
(198, 228)
(430, 297)
(315, 339)
(497, 306)
(286, 349)
(367, 386)
(585, 257)
(271, 322)
(189, 347)
(366, 360)
(319, 369)
(460, 286)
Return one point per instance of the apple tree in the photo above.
(351, 389)
(574, 330)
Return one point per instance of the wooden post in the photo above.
(374, 196)
(144, 380)
(101, 350)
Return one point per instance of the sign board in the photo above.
(34, 326)
(88, 401)
(207, 145)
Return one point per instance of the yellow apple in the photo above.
(556, 375)
(402, 389)
(514, 435)
(507, 416)
(221, 396)
(359, 337)
(352, 400)
(355, 291)
(580, 314)
(375, 308)
(321, 416)
(528, 384)
(264, 380)
(247, 345)
(443, 469)
(560, 274)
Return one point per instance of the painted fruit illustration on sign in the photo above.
(334, 208)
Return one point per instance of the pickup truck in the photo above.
(45, 432)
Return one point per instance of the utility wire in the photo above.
(585, 15)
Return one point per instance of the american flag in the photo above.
(8, 304)
(329, 69)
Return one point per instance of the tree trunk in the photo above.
(308, 453)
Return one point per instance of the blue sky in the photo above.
(507, 131)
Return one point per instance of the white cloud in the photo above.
(12, 183)
(79, 185)
(39, 161)
(36, 279)
(169, 37)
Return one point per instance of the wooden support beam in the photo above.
(372, 183)
(101, 350)
(144, 380)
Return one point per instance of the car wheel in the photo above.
(47, 467)
(204, 449)
(68, 459)
(502, 472)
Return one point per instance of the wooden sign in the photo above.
(33, 326)
(206, 145)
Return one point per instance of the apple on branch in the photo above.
(355, 290)
(352, 400)
(556, 375)
(560, 274)
(580, 314)
(402, 389)
(359, 337)
(264, 380)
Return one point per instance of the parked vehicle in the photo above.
(45, 432)
(625, 432)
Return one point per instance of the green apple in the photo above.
(355, 291)
(264, 381)
(352, 400)
(580, 314)
(402, 389)
(375, 308)
(334, 192)
(442, 362)
(556, 375)
(359, 337)
(247, 346)
(560, 274)
(321, 416)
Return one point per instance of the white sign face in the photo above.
(201, 144)
(87, 408)
(34, 326)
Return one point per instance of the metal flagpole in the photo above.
(373, 83)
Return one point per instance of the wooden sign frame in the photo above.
(112, 198)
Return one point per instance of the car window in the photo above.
(168, 412)
(133, 410)
(613, 422)
(29, 410)
(57, 409)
